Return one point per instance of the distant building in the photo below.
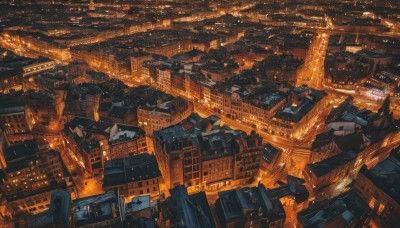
(249, 207)
(11, 80)
(132, 176)
(345, 210)
(183, 210)
(82, 101)
(378, 187)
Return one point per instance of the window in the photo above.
(380, 209)
(141, 192)
(139, 184)
(372, 203)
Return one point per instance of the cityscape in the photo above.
(199, 113)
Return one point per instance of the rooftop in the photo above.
(347, 209)
(137, 204)
(20, 150)
(134, 168)
(296, 113)
(189, 210)
(234, 203)
(270, 152)
(325, 166)
(58, 212)
(386, 175)
(97, 208)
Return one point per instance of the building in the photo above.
(183, 210)
(165, 114)
(345, 210)
(92, 155)
(59, 214)
(11, 80)
(270, 158)
(249, 207)
(17, 123)
(200, 155)
(137, 63)
(133, 176)
(378, 187)
(126, 140)
(330, 170)
(295, 120)
(328, 144)
(346, 118)
(32, 174)
(92, 143)
(104, 210)
(139, 207)
(89, 149)
(82, 101)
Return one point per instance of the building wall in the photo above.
(17, 125)
(217, 173)
(185, 167)
(333, 176)
(382, 205)
(152, 187)
(127, 148)
(299, 129)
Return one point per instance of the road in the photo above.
(312, 72)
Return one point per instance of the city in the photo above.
(201, 113)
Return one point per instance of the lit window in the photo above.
(380, 209)
(372, 203)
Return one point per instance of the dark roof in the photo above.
(233, 204)
(58, 212)
(88, 146)
(295, 114)
(322, 139)
(20, 150)
(325, 166)
(13, 109)
(118, 112)
(348, 207)
(386, 175)
(270, 152)
(105, 106)
(189, 211)
(351, 141)
(9, 73)
(79, 121)
(130, 169)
